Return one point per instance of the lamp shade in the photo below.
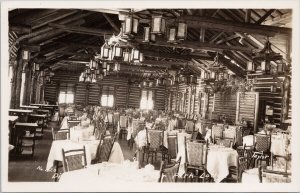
(131, 25)
(106, 51)
(158, 25)
(280, 67)
(265, 67)
(172, 34)
(181, 31)
(147, 34)
(250, 66)
(135, 55)
(213, 75)
(117, 51)
(104, 64)
(25, 55)
(126, 56)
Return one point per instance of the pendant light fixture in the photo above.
(117, 51)
(172, 34)
(181, 31)
(131, 25)
(158, 25)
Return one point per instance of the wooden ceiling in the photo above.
(65, 39)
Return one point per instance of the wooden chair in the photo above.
(74, 159)
(278, 160)
(61, 134)
(104, 148)
(235, 172)
(217, 132)
(73, 123)
(227, 142)
(155, 140)
(171, 153)
(181, 123)
(190, 126)
(262, 148)
(271, 176)
(196, 159)
(169, 174)
(26, 141)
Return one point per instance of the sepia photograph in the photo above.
(149, 96)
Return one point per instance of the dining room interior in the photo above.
(150, 95)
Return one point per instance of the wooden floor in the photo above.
(26, 169)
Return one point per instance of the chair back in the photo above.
(169, 173)
(155, 138)
(137, 126)
(227, 142)
(190, 126)
(241, 167)
(280, 162)
(172, 145)
(74, 159)
(105, 147)
(270, 176)
(196, 152)
(61, 134)
(262, 142)
(181, 123)
(217, 131)
(72, 123)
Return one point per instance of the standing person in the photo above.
(141, 142)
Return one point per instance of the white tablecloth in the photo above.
(250, 176)
(81, 132)
(280, 144)
(90, 147)
(64, 123)
(248, 140)
(110, 173)
(218, 161)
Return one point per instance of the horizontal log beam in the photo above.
(198, 46)
(230, 26)
(20, 29)
(81, 30)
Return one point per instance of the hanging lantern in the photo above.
(117, 51)
(213, 75)
(181, 31)
(88, 71)
(135, 55)
(108, 67)
(104, 64)
(141, 57)
(36, 67)
(84, 75)
(146, 36)
(25, 55)
(126, 56)
(106, 51)
(94, 78)
(122, 28)
(158, 25)
(176, 80)
(117, 67)
(104, 72)
(280, 67)
(158, 82)
(131, 25)
(250, 66)
(266, 67)
(93, 64)
(88, 79)
(172, 34)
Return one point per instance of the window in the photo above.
(147, 100)
(66, 93)
(107, 98)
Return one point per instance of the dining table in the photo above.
(219, 159)
(107, 173)
(90, 145)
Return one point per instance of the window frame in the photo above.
(64, 89)
(109, 93)
(146, 107)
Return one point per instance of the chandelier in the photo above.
(261, 61)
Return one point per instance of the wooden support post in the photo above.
(87, 88)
